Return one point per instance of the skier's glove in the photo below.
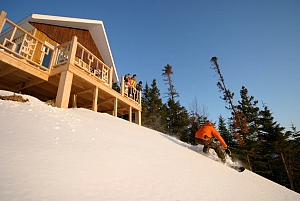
(228, 152)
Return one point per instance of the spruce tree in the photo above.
(248, 106)
(295, 133)
(177, 118)
(277, 149)
(116, 87)
(154, 111)
(250, 138)
(238, 118)
(167, 72)
(295, 158)
(227, 94)
(225, 133)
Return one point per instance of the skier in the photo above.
(208, 136)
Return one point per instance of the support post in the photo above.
(138, 118)
(74, 101)
(2, 20)
(64, 89)
(95, 99)
(115, 107)
(130, 114)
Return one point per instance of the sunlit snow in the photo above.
(49, 153)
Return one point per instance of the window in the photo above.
(47, 54)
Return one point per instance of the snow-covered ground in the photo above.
(49, 153)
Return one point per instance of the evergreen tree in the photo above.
(277, 148)
(116, 87)
(177, 120)
(295, 158)
(295, 133)
(154, 111)
(250, 137)
(227, 94)
(167, 72)
(239, 121)
(225, 133)
(247, 105)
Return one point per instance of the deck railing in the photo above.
(23, 45)
(76, 54)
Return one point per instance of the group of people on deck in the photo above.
(133, 87)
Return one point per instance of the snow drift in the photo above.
(50, 153)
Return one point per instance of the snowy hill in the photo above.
(49, 153)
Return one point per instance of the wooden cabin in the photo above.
(64, 60)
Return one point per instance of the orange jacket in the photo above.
(208, 131)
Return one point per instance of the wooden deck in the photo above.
(68, 80)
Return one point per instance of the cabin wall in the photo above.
(43, 37)
(65, 34)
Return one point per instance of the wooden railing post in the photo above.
(140, 97)
(53, 58)
(122, 85)
(110, 77)
(2, 20)
(73, 49)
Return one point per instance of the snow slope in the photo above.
(49, 153)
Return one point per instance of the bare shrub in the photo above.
(14, 97)
(51, 103)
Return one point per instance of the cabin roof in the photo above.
(95, 27)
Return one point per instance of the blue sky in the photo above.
(257, 43)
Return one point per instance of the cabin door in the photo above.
(47, 54)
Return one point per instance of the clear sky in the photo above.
(257, 43)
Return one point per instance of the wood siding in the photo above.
(65, 34)
(43, 37)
